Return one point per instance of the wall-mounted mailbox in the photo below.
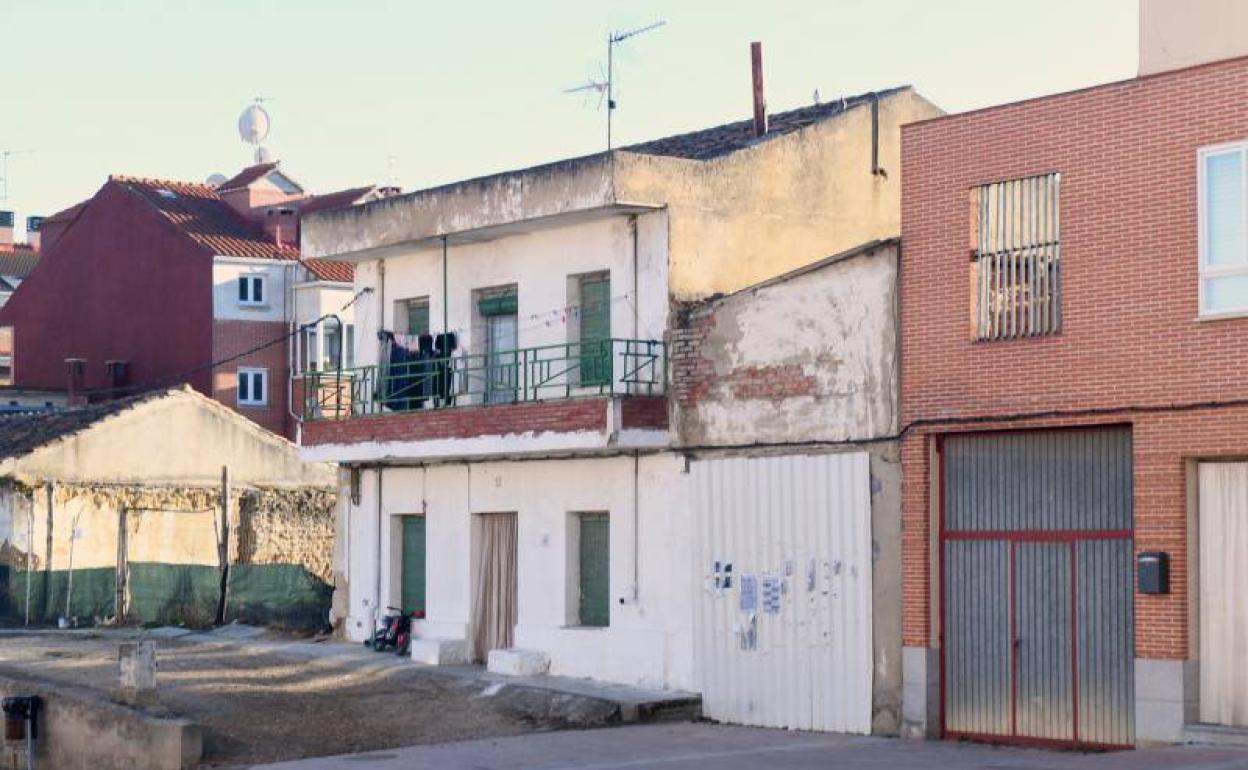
(1154, 572)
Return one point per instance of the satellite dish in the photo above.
(216, 180)
(253, 124)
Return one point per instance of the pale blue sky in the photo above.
(460, 89)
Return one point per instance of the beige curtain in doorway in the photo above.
(494, 584)
(1223, 606)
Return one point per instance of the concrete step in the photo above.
(1215, 735)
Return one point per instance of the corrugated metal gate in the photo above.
(782, 608)
(1036, 585)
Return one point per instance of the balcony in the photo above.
(569, 397)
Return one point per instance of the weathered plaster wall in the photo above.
(648, 641)
(809, 357)
(179, 439)
(781, 204)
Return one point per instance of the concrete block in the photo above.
(137, 668)
(920, 692)
(516, 662)
(1165, 699)
(441, 652)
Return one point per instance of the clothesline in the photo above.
(547, 318)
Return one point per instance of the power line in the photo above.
(175, 379)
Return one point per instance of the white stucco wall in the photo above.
(225, 274)
(539, 262)
(648, 640)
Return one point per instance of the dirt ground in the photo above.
(271, 705)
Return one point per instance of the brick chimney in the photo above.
(282, 225)
(6, 228)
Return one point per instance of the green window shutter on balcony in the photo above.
(417, 317)
(595, 331)
(595, 560)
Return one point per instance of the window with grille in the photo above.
(1016, 259)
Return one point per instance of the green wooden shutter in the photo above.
(417, 317)
(595, 561)
(413, 577)
(596, 331)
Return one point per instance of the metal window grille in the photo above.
(1016, 264)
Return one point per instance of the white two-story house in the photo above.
(513, 461)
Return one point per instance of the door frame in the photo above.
(1073, 537)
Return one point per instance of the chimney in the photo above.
(760, 103)
(281, 225)
(6, 228)
(389, 191)
(74, 368)
(32, 231)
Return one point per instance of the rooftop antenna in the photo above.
(604, 87)
(253, 127)
(4, 170)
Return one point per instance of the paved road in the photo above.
(687, 746)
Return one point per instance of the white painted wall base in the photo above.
(920, 692)
(516, 662)
(1166, 699)
(441, 652)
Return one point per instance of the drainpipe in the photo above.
(636, 523)
(377, 587)
(636, 298)
(445, 298)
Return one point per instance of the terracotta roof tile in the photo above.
(22, 434)
(199, 212)
(329, 270)
(246, 176)
(18, 261)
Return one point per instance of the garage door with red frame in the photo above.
(1036, 587)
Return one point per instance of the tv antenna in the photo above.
(4, 169)
(604, 86)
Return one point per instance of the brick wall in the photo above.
(1130, 338)
(231, 337)
(584, 414)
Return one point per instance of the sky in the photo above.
(424, 92)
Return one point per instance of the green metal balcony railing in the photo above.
(608, 366)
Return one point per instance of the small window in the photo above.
(253, 387)
(1016, 258)
(1223, 230)
(251, 290)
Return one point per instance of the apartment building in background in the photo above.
(149, 282)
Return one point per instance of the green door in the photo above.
(413, 578)
(596, 331)
(595, 609)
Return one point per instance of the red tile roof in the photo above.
(329, 270)
(200, 213)
(333, 200)
(17, 260)
(67, 215)
(246, 176)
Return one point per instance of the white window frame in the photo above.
(248, 371)
(251, 280)
(1206, 271)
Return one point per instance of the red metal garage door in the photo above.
(1036, 585)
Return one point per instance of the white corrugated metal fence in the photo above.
(782, 605)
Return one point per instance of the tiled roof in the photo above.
(333, 200)
(246, 176)
(22, 434)
(67, 215)
(18, 261)
(199, 212)
(721, 140)
(329, 270)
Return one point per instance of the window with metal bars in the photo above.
(1016, 262)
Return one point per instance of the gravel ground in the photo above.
(268, 706)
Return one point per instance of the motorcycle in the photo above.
(395, 631)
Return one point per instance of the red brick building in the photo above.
(150, 283)
(1074, 336)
